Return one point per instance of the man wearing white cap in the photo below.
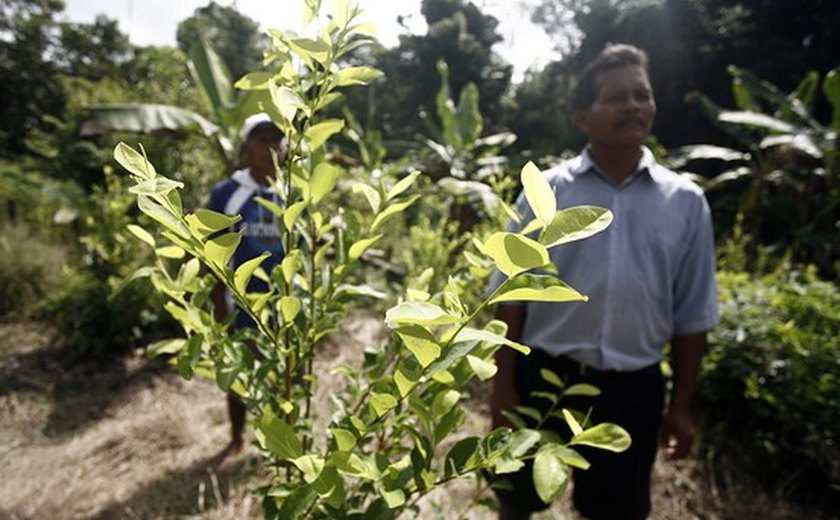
(259, 136)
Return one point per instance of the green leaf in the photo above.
(142, 234)
(540, 196)
(463, 457)
(514, 254)
(286, 101)
(418, 313)
(344, 439)
(471, 334)
(402, 185)
(551, 378)
(575, 223)
(340, 11)
(521, 442)
(310, 465)
(801, 142)
(318, 134)
(538, 288)
(171, 252)
(467, 115)
(162, 215)
(529, 411)
(360, 246)
(205, 222)
(278, 437)
(167, 346)
(255, 80)
(551, 475)
(394, 498)
(831, 89)
(420, 342)
(310, 11)
(289, 308)
(506, 464)
(572, 422)
(372, 196)
(756, 120)
(358, 424)
(405, 380)
(297, 503)
(571, 457)
(156, 186)
(607, 436)
(134, 161)
(483, 369)
(225, 376)
(448, 423)
(323, 181)
(220, 249)
(330, 487)
(584, 389)
(392, 211)
(146, 118)
(445, 401)
(290, 265)
(315, 49)
(291, 215)
(364, 29)
(212, 77)
(246, 270)
(686, 154)
(356, 76)
(382, 403)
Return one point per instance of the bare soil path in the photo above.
(131, 439)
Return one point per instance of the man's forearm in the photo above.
(686, 354)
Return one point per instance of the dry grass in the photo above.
(133, 440)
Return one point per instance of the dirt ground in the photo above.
(133, 440)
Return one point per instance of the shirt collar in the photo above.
(586, 164)
(244, 178)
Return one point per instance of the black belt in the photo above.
(573, 366)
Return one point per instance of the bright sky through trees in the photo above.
(153, 22)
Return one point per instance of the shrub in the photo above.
(92, 324)
(30, 268)
(770, 392)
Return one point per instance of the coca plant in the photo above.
(390, 439)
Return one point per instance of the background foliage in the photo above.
(761, 77)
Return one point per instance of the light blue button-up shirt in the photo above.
(649, 276)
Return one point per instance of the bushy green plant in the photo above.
(770, 391)
(96, 311)
(784, 171)
(30, 269)
(393, 436)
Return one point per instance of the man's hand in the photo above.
(678, 433)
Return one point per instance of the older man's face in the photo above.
(622, 113)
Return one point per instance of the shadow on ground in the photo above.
(188, 491)
(78, 392)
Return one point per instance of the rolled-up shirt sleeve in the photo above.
(695, 289)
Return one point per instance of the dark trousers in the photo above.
(617, 485)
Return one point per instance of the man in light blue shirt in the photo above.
(650, 281)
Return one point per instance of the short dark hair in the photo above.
(613, 56)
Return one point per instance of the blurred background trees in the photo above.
(748, 96)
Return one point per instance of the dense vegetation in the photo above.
(749, 102)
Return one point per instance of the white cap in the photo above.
(252, 122)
